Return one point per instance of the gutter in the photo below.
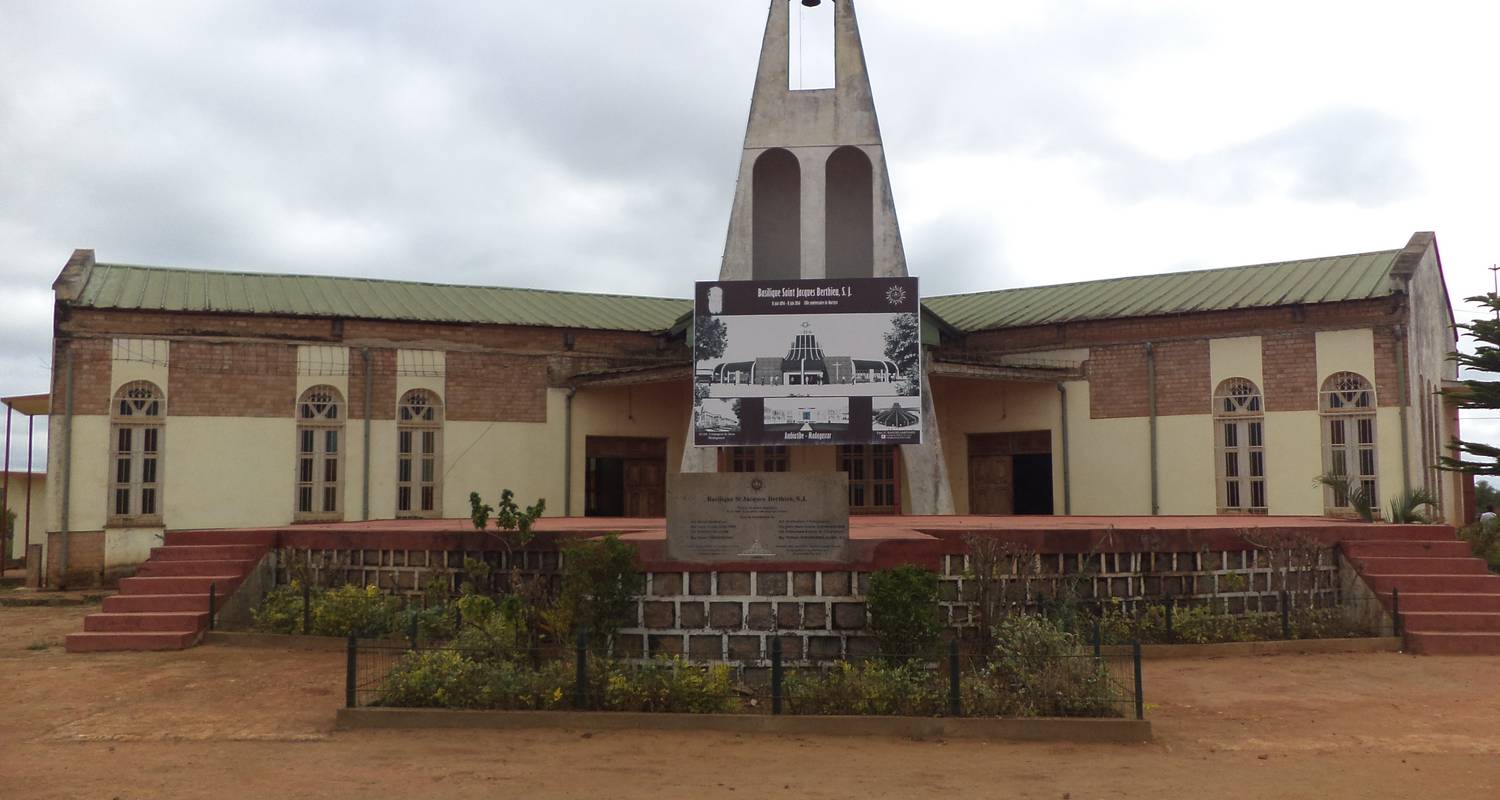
(67, 465)
(1151, 404)
(1400, 333)
(364, 353)
(568, 450)
(1067, 487)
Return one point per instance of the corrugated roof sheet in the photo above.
(1318, 280)
(120, 286)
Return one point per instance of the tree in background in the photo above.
(710, 338)
(903, 345)
(1485, 495)
(1477, 458)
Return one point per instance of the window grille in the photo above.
(419, 435)
(320, 451)
(872, 478)
(1347, 404)
(136, 439)
(1240, 442)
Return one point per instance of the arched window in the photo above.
(776, 216)
(419, 440)
(1240, 439)
(137, 414)
(320, 449)
(1348, 408)
(850, 221)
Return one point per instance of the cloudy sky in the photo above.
(593, 144)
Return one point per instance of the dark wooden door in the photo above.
(646, 487)
(991, 485)
(626, 476)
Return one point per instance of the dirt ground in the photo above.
(217, 722)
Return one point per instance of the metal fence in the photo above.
(1168, 620)
(955, 681)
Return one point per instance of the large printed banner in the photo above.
(807, 362)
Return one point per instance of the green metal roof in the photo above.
(118, 286)
(1318, 280)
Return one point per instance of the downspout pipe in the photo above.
(1151, 409)
(1400, 334)
(364, 354)
(1067, 486)
(67, 465)
(568, 450)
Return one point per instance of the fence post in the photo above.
(351, 666)
(1098, 638)
(458, 618)
(213, 603)
(1286, 614)
(775, 675)
(1397, 627)
(306, 608)
(955, 700)
(581, 673)
(1171, 632)
(1140, 696)
(412, 628)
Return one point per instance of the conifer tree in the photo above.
(1477, 458)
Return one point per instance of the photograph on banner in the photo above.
(835, 361)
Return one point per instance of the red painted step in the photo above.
(207, 552)
(188, 538)
(1455, 644)
(1422, 566)
(89, 642)
(141, 603)
(193, 569)
(179, 621)
(1450, 621)
(1456, 584)
(1445, 602)
(1407, 549)
(224, 585)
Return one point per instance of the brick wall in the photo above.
(232, 380)
(91, 371)
(1289, 369)
(492, 387)
(1182, 378)
(1117, 382)
(1386, 377)
(382, 384)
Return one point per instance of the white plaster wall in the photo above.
(1111, 459)
(139, 360)
(1294, 459)
(1235, 357)
(652, 411)
(976, 406)
(1185, 464)
(1346, 351)
(484, 457)
(130, 546)
(228, 472)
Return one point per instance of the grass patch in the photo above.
(38, 645)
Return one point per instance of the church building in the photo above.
(197, 399)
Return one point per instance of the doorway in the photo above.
(626, 477)
(1010, 473)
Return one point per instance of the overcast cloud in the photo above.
(593, 145)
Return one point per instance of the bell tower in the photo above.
(814, 197)
(814, 201)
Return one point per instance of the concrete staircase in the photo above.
(1450, 602)
(165, 605)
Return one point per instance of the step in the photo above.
(1456, 584)
(139, 640)
(188, 538)
(178, 621)
(1451, 621)
(1454, 644)
(193, 569)
(1439, 602)
(1422, 566)
(225, 585)
(1408, 549)
(208, 552)
(1404, 533)
(143, 603)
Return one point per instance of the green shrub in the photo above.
(1039, 669)
(873, 687)
(451, 679)
(903, 611)
(1485, 542)
(357, 611)
(674, 686)
(600, 585)
(280, 611)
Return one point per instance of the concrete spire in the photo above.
(812, 125)
(814, 201)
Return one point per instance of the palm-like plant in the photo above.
(1352, 491)
(1405, 506)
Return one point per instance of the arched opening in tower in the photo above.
(850, 220)
(776, 223)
